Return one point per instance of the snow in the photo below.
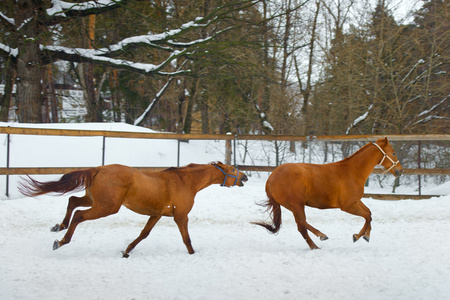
(407, 257)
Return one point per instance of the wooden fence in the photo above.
(230, 141)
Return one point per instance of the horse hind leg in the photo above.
(303, 227)
(359, 209)
(317, 232)
(95, 212)
(74, 203)
(144, 234)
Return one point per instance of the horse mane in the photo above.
(189, 167)
(357, 152)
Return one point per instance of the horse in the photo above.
(169, 193)
(333, 185)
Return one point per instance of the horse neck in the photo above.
(363, 161)
(200, 177)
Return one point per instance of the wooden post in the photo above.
(228, 152)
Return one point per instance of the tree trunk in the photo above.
(29, 70)
(5, 100)
(190, 107)
(204, 114)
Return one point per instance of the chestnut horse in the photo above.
(167, 193)
(333, 185)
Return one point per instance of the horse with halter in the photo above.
(169, 193)
(334, 185)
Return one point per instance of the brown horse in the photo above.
(166, 193)
(333, 185)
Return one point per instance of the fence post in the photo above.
(234, 150)
(419, 163)
(228, 152)
(7, 164)
(178, 153)
(103, 150)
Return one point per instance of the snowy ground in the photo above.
(407, 257)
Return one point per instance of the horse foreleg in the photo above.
(81, 216)
(144, 234)
(74, 202)
(182, 223)
(359, 209)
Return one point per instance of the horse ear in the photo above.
(386, 140)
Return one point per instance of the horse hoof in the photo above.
(125, 255)
(367, 238)
(355, 238)
(55, 228)
(56, 245)
(323, 238)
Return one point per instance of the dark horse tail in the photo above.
(275, 214)
(70, 182)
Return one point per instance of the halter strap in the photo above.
(228, 175)
(394, 163)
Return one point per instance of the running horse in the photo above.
(167, 193)
(334, 185)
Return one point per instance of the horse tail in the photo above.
(274, 209)
(70, 182)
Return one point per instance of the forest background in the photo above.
(300, 67)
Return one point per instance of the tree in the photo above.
(386, 77)
(27, 44)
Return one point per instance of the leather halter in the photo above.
(228, 175)
(394, 163)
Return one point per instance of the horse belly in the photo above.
(154, 205)
(321, 202)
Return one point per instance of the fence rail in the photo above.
(181, 136)
(63, 170)
(227, 137)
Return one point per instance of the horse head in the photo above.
(389, 161)
(232, 175)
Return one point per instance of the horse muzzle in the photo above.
(398, 173)
(243, 179)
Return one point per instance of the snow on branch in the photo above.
(156, 99)
(96, 56)
(359, 119)
(6, 19)
(161, 38)
(153, 102)
(425, 112)
(8, 50)
(60, 8)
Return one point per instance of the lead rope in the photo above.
(394, 163)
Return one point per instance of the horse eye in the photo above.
(393, 153)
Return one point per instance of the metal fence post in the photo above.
(234, 150)
(419, 163)
(178, 153)
(7, 164)
(103, 150)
